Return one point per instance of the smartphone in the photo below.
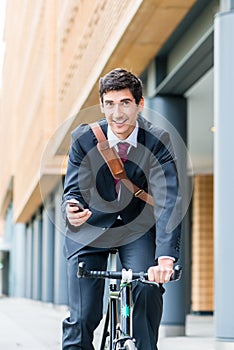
(75, 204)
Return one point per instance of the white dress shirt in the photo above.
(132, 140)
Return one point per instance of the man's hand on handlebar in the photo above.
(162, 272)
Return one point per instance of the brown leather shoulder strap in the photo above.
(110, 156)
(115, 164)
(97, 130)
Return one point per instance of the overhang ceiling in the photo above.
(150, 28)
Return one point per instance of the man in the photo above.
(147, 237)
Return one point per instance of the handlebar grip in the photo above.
(177, 273)
(82, 272)
(81, 269)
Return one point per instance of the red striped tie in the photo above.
(123, 153)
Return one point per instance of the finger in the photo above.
(151, 275)
(83, 214)
(165, 275)
(71, 209)
(71, 214)
(168, 276)
(161, 277)
(77, 219)
(76, 222)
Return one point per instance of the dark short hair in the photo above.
(119, 79)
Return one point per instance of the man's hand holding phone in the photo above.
(76, 214)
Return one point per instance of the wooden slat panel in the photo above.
(203, 245)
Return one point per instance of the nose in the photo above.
(117, 110)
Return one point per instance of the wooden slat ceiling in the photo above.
(152, 25)
(154, 22)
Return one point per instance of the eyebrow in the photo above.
(122, 100)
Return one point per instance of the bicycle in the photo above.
(119, 312)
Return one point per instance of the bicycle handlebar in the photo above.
(82, 272)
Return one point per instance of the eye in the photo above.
(109, 103)
(126, 103)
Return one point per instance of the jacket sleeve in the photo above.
(165, 189)
(78, 174)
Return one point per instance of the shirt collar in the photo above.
(131, 139)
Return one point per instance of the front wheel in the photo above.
(129, 345)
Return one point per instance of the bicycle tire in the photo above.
(129, 345)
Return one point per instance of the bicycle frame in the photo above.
(111, 316)
(120, 332)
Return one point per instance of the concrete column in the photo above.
(18, 259)
(37, 257)
(60, 276)
(7, 273)
(29, 261)
(5, 278)
(226, 5)
(48, 253)
(224, 175)
(173, 117)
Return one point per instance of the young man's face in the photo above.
(121, 111)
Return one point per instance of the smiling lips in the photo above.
(119, 123)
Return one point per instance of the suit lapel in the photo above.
(105, 172)
(108, 181)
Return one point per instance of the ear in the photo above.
(141, 104)
(101, 107)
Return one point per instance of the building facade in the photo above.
(183, 52)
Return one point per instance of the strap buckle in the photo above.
(138, 193)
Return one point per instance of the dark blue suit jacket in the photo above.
(150, 166)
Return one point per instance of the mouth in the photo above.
(119, 123)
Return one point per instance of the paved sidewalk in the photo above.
(26, 324)
(199, 335)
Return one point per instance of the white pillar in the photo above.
(29, 261)
(37, 257)
(224, 175)
(48, 253)
(60, 276)
(18, 269)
